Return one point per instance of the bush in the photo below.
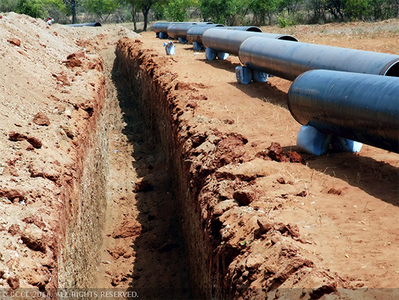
(176, 10)
(284, 20)
(33, 8)
(8, 5)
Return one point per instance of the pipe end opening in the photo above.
(254, 29)
(393, 70)
(288, 38)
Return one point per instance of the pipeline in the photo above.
(179, 30)
(160, 26)
(229, 41)
(360, 107)
(194, 34)
(289, 60)
(244, 28)
(94, 24)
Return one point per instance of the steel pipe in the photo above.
(179, 30)
(289, 60)
(244, 28)
(360, 107)
(194, 34)
(94, 24)
(229, 41)
(160, 27)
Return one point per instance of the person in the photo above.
(50, 21)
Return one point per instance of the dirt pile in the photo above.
(51, 97)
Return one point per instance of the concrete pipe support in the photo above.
(359, 107)
(289, 60)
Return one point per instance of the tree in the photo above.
(135, 6)
(290, 5)
(72, 6)
(228, 12)
(263, 8)
(336, 8)
(55, 9)
(101, 8)
(176, 10)
(8, 5)
(357, 9)
(39, 8)
(144, 6)
(33, 8)
(318, 8)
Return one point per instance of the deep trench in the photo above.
(159, 270)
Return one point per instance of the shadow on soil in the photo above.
(264, 92)
(261, 90)
(159, 270)
(221, 64)
(376, 178)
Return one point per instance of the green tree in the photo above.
(144, 6)
(33, 8)
(101, 8)
(384, 9)
(264, 8)
(55, 9)
(159, 10)
(228, 12)
(134, 9)
(357, 9)
(317, 7)
(335, 8)
(40, 8)
(176, 10)
(8, 5)
(72, 7)
(290, 5)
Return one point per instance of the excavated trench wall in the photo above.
(84, 234)
(85, 195)
(162, 109)
(234, 249)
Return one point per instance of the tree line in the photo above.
(228, 12)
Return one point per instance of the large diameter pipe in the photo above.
(94, 24)
(163, 26)
(179, 30)
(360, 107)
(160, 26)
(289, 60)
(229, 41)
(244, 28)
(194, 34)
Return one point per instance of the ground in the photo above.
(343, 207)
(351, 200)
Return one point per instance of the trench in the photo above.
(124, 233)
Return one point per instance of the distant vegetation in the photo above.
(228, 12)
